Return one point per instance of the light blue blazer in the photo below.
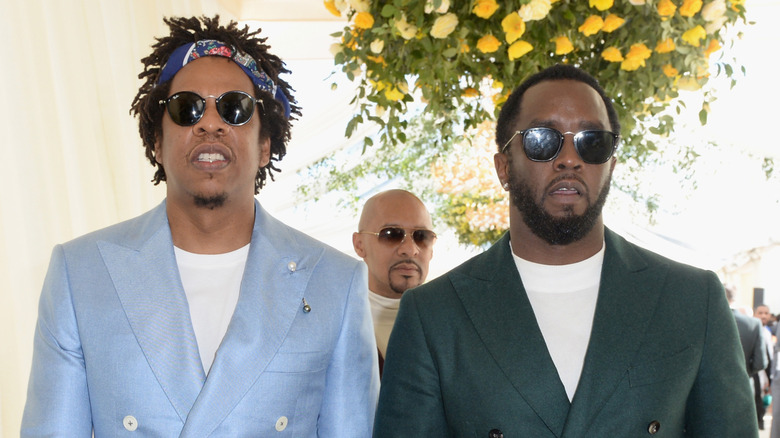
(115, 351)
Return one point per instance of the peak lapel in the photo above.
(628, 296)
(495, 300)
(271, 296)
(143, 270)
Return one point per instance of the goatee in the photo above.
(210, 202)
(555, 230)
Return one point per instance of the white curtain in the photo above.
(72, 157)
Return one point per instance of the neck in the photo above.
(219, 230)
(528, 246)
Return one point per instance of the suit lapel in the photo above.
(275, 278)
(495, 301)
(143, 269)
(628, 296)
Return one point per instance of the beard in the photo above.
(210, 202)
(400, 287)
(555, 230)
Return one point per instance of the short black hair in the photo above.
(274, 124)
(510, 112)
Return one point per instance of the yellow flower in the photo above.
(712, 11)
(592, 25)
(394, 94)
(364, 20)
(518, 49)
(360, 5)
(735, 3)
(670, 71)
(535, 10)
(562, 45)
(513, 26)
(330, 5)
(665, 46)
(463, 47)
(688, 83)
(612, 22)
(488, 44)
(444, 25)
(601, 5)
(714, 46)
(485, 8)
(689, 8)
(666, 9)
(636, 57)
(406, 29)
(377, 46)
(612, 54)
(694, 36)
(444, 7)
(470, 92)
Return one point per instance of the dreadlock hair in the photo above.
(510, 112)
(274, 124)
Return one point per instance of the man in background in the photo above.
(395, 239)
(205, 316)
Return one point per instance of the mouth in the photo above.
(406, 269)
(210, 157)
(567, 187)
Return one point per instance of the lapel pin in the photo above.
(306, 306)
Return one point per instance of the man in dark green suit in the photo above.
(563, 328)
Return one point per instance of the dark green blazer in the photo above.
(466, 356)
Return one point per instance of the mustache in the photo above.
(406, 262)
(566, 176)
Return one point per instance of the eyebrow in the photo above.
(584, 125)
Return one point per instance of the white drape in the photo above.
(72, 157)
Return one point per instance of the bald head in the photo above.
(393, 267)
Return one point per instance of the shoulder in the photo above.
(131, 232)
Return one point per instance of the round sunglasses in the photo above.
(544, 144)
(397, 235)
(186, 108)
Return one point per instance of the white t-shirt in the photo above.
(563, 298)
(383, 312)
(212, 283)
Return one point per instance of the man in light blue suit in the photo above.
(205, 316)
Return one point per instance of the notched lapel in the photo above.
(147, 282)
(498, 307)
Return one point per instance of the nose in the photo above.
(210, 122)
(408, 247)
(568, 158)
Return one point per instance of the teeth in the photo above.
(211, 157)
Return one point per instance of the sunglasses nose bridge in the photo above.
(567, 151)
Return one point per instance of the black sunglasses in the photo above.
(396, 235)
(544, 144)
(186, 107)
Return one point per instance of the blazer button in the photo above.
(653, 427)
(130, 423)
(495, 433)
(281, 424)
(292, 266)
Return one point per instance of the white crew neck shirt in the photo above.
(212, 283)
(563, 298)
(383, 312)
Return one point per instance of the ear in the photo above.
(265, 151)
(612, 164)
(158, 151)
(357, 243)
(501, 161)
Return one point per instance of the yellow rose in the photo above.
(592, 25)
(470, 92)
(499, 98)
(694, 36)
(513, 26)
(488, 44)
(665, 46)
(364, 20)
(714, 46)
(485, 8)
(377, 59)
(444, 25)
(712, 11)
(330, 5)
(612, 22)
(612, 54)
(377, 46)
(562, 45)
(689, 8)
(406, 29)
(670, 71)
(601, 5)
(443, 7)
(636, 57)
(535, 10)
(631, 64)
(666, 9)
(518, 49)
(735, 4)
